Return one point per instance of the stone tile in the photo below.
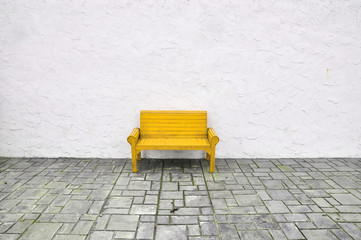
(318, 234)
(80, 207)
(228, 231)
(184, 220)
(322, 220)
(276, 207)
(41, 231)
(19, 227)
(346, 199)
(209, 228)
(351, 229)
(291, 231)
(166, 232)
(197, 201)
(143, 209)
(139, 185)
(255, 235)
(124, 235)
(168, 186)
(145, 231)
(97, 235)
(248, 200)
(123, 222)
(119, 202)
(82, 227)
(69, 237)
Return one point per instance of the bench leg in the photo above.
(213, 160)
(139, 156)
(208, 156)
(134, 160)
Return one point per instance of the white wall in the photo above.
(278, 78)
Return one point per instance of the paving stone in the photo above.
(82, 227)
(255, 235)
(40, 231)
(276, 207)
(318, 234)
(184, 220)
(228, 231)
(124, 235)
(145, 231)
(143, 209)
(123, 222)
(9, 236)
(197, 201)
(347, 199)
(69, 237)
(248, 200)
(19, 227)
(351, 229)
(291, 231)
(345, 182)
(194, 230)
(280, 195)
(80, 207)
(171, 195)
(167, 186)
(139, 185)
(97, 235)
(166, 232)
(340, 234)
(208, 228)
(321, 220)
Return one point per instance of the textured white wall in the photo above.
(278, 78)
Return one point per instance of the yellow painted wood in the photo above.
(173, 130)
(139, 156)
(173, 124)
(173, 144)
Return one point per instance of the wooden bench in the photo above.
(173, 130)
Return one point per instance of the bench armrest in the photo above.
(212, 137)
(134, 136)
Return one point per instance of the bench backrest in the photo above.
(173, 124)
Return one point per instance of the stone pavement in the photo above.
(71, 199)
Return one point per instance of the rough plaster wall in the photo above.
(278, 78)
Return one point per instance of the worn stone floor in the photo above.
(179, 199)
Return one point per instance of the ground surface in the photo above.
(179, 199)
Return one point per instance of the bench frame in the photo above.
(210, 150)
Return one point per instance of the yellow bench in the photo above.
(173, 130)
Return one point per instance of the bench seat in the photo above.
(173, 144)
(173, 130)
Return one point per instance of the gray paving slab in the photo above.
(77, 199)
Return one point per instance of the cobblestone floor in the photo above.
(101, 199)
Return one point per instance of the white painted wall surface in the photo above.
(278, 78)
